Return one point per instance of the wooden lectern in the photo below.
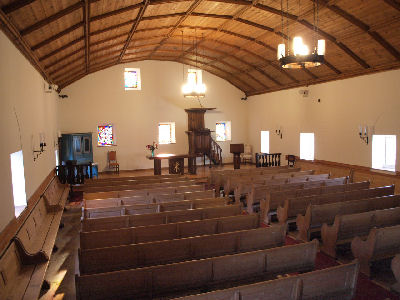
(236, 149)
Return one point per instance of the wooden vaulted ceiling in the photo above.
(234, 39)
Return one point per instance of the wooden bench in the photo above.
(152, 233)
(274, 199)
(396, 271)
(141, 186)
(158, 198)
(381, 243)
(133, 256)
(186, 277)
(144, 192)
(316, 215)
(294, 206)
(160, 218)
(311, 285)
(347, 227)
(279, 184)
(24, 263)
(138, 209)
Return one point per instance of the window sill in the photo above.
(387, 172)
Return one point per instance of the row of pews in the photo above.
(339, 213)
(156, 240)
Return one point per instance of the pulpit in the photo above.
(236, 149)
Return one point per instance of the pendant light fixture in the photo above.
(300, 56)
(194, 86)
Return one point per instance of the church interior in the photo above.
(200, 149)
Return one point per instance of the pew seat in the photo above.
(316, 215)
(24, 263)
(347, 227)
(334, 283)
(381, 243)
(152, 233)
(133, 256)
(396, 271)
(189, 276)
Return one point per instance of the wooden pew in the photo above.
(186, 277)
(152, 233)
(337, 283)
(273, 199)
(133, 256)
(294, 206)
(281, 184)
(160, 218)
(347, 227)
(396, 271)
(316, 215)
(144, 192)
(127, 178)
(138, 209)
(381, 243)
(141, 186)
(24, 263)
(158, 198)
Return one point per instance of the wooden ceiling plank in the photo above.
(108, 39)
(57, 36)
(14, 35)
(86, 18)
(64, 58)
(116, 12)
(13, 6)
(52, 18)
(263, 27)
(66, 65)
(54, 52)
(134, 28)
(393, 4)
(192, 7)
(364, 27)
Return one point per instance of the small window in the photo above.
(384, 152)
(18, 181)
(132, 79)
(105, 135)
(57, 159)
(223, 131)
(265, 141)
(166, 133)
(307, 146)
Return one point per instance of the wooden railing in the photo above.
(74, 173)
(268, 159)
(215, 154)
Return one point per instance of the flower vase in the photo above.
(152, 153)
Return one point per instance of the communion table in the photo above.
(175, 162)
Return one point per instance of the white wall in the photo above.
(21, 88)
(100, 98)
(372, 100)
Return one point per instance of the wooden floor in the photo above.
(61, 271)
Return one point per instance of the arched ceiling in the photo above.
(234, 39)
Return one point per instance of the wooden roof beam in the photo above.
(13, 6)
(393, 4)
(14, 35)
(134, 28)
(64, 58)
(364, 27)
(66, 46)
(86, 18)
(116, 12)
(52, 18)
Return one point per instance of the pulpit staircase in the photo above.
(215, 152)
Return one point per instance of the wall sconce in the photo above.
(279, 132)
(363, 133)
(42, 145)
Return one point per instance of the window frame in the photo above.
(172, 133)
(138, 81)
(312, 154)
(261, 141)
(18, 177)
(227, 129)
(112, 133)
(375, 163)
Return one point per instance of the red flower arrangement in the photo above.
(152, 147)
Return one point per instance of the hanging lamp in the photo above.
(194, 86)
(300, 56)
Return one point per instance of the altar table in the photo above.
(176, 163)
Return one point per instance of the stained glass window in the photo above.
(132, 79)
(105, 135)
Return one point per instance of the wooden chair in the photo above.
(112, 161)
(247, 156)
